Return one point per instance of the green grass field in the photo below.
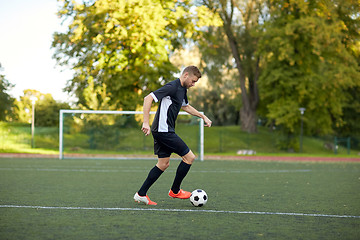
(92, 199)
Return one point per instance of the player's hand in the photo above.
(146, 129)
(207, 121)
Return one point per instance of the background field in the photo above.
(270, 187)
(223, 140)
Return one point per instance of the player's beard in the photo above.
(188, 84)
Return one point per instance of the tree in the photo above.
(348, 12)
(241, 24)
(123, 45)
(5, 99)
(46, 108)
(307, 65)
(47, 111)
(216, 93)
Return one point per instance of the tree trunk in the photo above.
(250, 97)
(248, 120)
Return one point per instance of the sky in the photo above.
(26, 29)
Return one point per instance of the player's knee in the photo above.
(192, 159)
(189, 158)
(163, 165)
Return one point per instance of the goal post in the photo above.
(110, 134)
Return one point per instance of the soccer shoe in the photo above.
(181, 194)
(145, 199)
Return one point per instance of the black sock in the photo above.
(154, 174)
(181, 172)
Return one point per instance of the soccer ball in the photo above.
(198, 198)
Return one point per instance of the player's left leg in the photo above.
(181, 172)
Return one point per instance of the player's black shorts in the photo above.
(166, 143)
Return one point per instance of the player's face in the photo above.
(190, 80)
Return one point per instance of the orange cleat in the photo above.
(145, 199)
(181, 194)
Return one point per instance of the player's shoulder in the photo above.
(174, 83)
(173, 86)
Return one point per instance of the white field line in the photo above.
(182, 210)
(143, 170)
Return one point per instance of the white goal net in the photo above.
(117, 134)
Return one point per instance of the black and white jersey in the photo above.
(172, 97)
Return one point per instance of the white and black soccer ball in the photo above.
(198, 198)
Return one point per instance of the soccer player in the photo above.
(172, 97)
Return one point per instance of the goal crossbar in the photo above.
(69, 111)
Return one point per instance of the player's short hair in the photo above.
(193, 70)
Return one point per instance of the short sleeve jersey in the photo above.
(172, 97)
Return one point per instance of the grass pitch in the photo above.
(92, 199)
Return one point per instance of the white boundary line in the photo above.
(146, 170)
(183, 210)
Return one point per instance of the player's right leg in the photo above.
(143, 199)
(154, 174)
(163, 163)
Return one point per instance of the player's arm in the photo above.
(146, 110)
(191, 110)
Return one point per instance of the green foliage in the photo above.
(348, 12)
(232, 48)
(95, 97)
(46, 108)
(351, 115)
(122, 46)
(114, 43)
(287, 143)
(6, 100)
(307, 65)
(47, 111)
(220, 98)
(220, 102)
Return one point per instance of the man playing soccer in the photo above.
(172, 97)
